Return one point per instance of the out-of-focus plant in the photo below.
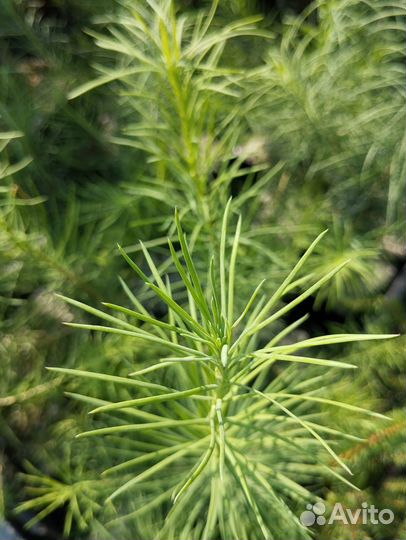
(333, 92)
(187, 112)
(378, 462)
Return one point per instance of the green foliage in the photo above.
(198, 381)
(187, 114)
(337, 118)
(47, 494)
(383, 450)
(221, 392)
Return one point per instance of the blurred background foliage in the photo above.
(298, 113)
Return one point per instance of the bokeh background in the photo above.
(80, 171)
